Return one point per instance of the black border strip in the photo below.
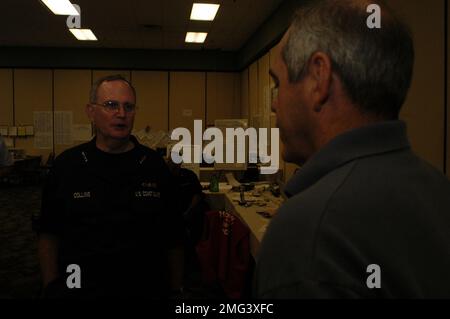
(53, 111)
(206, 101)
(445, 83)
(13, 102)
(92, 83)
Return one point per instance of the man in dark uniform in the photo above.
(106, 209)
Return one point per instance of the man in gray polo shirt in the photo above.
(365, 217)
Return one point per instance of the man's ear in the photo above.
(319, 67)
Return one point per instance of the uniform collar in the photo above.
(358, 143)
(133, 139)
(91, 152)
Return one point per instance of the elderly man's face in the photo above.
(116, 124)
(293, 112)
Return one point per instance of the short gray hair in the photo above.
(108, 78)
(375, 65)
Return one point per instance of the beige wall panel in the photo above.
(272, 55)
(96, 74)
(244, 94)
(253, 91)
(6, 97)
(424, 107)
(71, 93)
(273, 124)
(186, 99)
(263, 86)
(33, 93)
(273, 116)
(221, 97)
(152, 99)
(237, 95)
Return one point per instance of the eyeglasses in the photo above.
(114, 106)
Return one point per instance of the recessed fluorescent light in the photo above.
(83, 34)
(61, 7)
(204, 11)
(196, 37)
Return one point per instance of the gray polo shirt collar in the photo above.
(366, 141)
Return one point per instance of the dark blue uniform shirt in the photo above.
(115, 216)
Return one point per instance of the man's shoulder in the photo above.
(302, 214)
(385, 199)
(315, 198)
(394, 177)
(400, 188)
(399, 173)
(72, 154)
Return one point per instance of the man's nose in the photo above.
(121, 111)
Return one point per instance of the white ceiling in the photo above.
(137, 24)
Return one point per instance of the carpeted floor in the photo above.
(19, 269)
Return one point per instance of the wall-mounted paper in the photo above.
(43, 141)
(63, 128)
(4, 131)
(223, 124)
(12, 131)
(29, 130)
(21, 131)
(43, 135)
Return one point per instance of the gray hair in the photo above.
(374, 65)
(108, 78)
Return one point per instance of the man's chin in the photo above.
(120, 135)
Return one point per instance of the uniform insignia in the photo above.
(78, 195)
(149, 185)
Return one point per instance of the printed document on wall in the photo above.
(63, 127)
(43, 136)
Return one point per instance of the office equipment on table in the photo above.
(260, 204)
(242, 202)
